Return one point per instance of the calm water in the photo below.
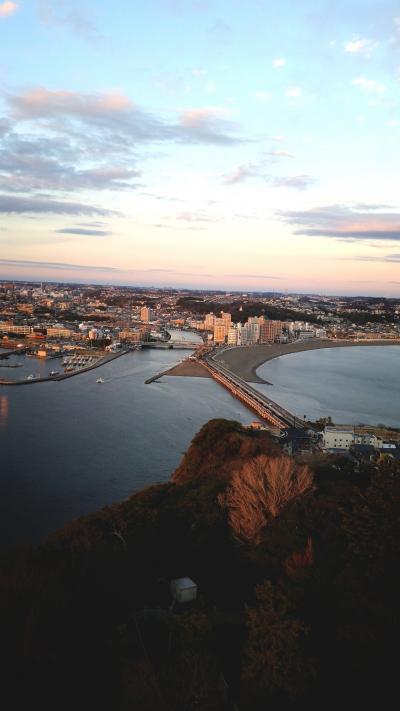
(352, 385)
(68, 448)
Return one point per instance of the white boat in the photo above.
(99, 380)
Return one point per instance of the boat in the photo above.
(99, 380)
(54, 372)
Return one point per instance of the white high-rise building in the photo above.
(250, 333)
(233, 335)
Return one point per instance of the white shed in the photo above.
(183, 590)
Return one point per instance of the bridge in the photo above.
(179, 345)
(266, 408)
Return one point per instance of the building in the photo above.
(233, 335)
(19, 330)
(338, 437)
(226, 317)
(147, 314)
(134, 336)
(250, 333)
(221, 330)
(59, 332)
(270, 331)
(183, 590)
(209, 322)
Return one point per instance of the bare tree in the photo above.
(260, 490)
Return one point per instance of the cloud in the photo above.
(241, 173)
(83, 267)
(252, 170)
(345, 223)
(11, 204)
(54, 265)
(83, 231)
(196, 217)
(354, 235)
(280, 154)
(7, 9)
(44, 103)
(360, 45)
(293, 91)
(5, 126)
(199, 72)
(79, 141)
(167, 271)
(277, 63)
(66, 14)
(299, 182)
(95, 223)
(395, 38)
(33, 163)
(389, 258)
(205, 125)
(115, 117)
(253, 276)
(370, 86)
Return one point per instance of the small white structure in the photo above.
(183, 590)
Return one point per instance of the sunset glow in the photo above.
(228, 144)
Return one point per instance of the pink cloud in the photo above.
(197, 117)
(44, 102)
(8, 8)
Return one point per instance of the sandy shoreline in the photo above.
(243, 361)
(189, 368)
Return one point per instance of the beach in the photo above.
(243, 361)
(189, 368)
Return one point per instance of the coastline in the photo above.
(243, 361)
(189, 369)
(64, 376)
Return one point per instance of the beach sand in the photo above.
(190, 368)
(243, 361)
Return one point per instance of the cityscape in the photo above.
(49, 312)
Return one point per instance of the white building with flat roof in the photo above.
(338, 436)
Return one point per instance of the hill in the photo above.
(296, 565)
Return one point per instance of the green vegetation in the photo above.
(241, 312)
(303, 614)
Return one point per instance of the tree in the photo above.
(260, 490)
(274, 656)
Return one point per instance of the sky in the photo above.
(230, 144)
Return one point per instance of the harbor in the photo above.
(72, 365)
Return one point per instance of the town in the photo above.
(53, 315)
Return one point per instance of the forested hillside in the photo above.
(296, 564)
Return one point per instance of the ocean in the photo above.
(352, 385)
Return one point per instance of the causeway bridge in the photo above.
(266, 408)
